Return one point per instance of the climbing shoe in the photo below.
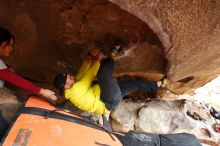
(117, 47)
(118, 42)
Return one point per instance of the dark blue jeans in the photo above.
(112, 91)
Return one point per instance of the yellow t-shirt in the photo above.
(82, 94)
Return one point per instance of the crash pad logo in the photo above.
(22, 137)
(142, 137)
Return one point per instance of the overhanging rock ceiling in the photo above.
(177, 38)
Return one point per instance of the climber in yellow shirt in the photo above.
(82, 93)
(106, 95)
(80, 90)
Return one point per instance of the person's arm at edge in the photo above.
(90, 75)
(83, 69)
(87, 79)
(95, 64)
(87, 61)
(13, 78)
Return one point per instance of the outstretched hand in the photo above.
(48, 94)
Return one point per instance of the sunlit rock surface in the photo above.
(170, 115)
(165, 116)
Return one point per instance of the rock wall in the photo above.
(189, 32)
(51, 37)
(178, 38)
